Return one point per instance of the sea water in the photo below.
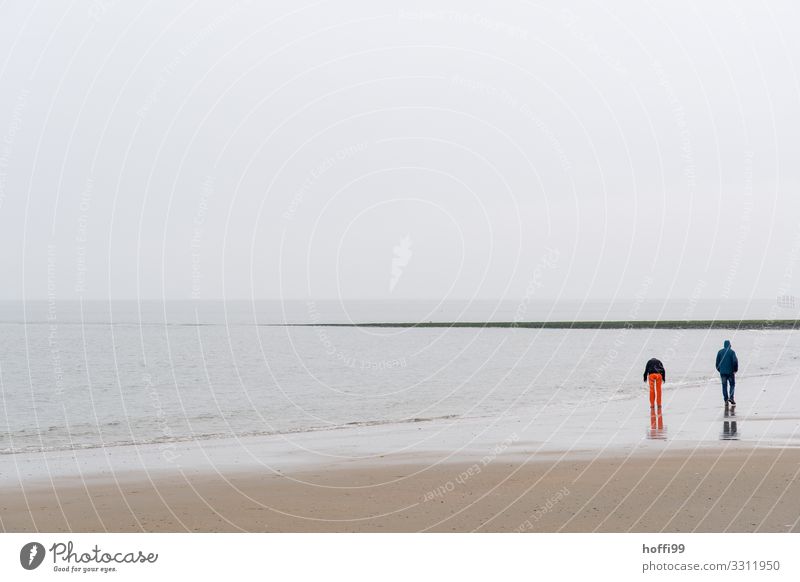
(98, 375)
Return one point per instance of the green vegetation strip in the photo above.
(756, 324)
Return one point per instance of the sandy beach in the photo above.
(729, 489)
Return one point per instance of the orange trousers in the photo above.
(655, 388)
(656, 422)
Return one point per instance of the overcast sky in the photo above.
(361, 150)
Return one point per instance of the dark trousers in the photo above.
(726, 380)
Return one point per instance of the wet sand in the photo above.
(727, 489)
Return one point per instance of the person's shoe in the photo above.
(732, 401)
(726, 403)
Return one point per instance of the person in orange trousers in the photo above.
(655, 375)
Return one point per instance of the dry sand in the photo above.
(712, 490)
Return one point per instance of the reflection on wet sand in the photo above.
(730, 432)
(657, 430)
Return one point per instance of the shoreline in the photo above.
(692, 419)
(608, 469)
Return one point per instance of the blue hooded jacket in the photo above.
(727, 362)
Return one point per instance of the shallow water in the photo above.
(67, 384)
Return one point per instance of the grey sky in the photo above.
(357, 149)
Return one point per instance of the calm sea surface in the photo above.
(78, 376)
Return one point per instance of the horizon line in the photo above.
(384, 299)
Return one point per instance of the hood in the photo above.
(727, 343)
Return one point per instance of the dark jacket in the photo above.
(727, 362)
(655, 366)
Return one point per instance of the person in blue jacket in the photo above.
(727, 366)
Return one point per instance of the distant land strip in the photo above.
(747, 324)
